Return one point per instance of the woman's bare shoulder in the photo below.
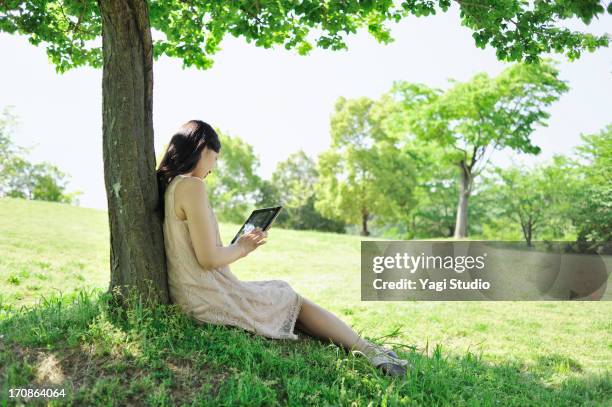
(191, 190)
(190, 186)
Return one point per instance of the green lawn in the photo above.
(465, 353)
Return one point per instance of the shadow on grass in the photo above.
(158, 356)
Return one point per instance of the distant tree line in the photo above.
(19, 178)
(415, 162)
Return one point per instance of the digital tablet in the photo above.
(260, 218)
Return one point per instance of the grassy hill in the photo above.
(56, 331)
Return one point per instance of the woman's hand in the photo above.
(252, 240)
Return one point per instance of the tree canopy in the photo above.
(193, 30)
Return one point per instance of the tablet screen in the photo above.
(260, 218)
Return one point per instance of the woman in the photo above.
(199, 278)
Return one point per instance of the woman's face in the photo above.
(208, 161)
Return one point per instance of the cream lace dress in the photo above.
(268, 307)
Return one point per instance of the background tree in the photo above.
(433, 214)
(20, 178)
(422, 187)
(192, 31)
(591, 212)
(562, 178)
(51, 185)
(366, 172)
(474, 118)
(8, 149)
(569, 195)
(14, 168)
(306, 217)
(527, 197)
(42, 181)
(394, 174)
(234, 184)
(295, 179)
(17, 180)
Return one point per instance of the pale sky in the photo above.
(276, 100)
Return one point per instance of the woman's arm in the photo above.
(193, 199)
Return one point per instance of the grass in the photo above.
(58, 331)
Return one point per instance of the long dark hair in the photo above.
(183, 154)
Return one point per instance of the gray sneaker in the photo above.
(392, 369)
(391, 353)
(387, 361)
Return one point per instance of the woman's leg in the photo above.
(322, 324)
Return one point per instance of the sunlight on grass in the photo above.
(58, 328)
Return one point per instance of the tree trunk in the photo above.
(364, 224)
(137, 253)
(529, 235)
(461, 222)
(528, 231)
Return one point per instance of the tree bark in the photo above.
(529, 234)
(137, 256)
(528, 231)
(461, 222)
(364, 224)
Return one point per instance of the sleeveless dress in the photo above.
(268, 307)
